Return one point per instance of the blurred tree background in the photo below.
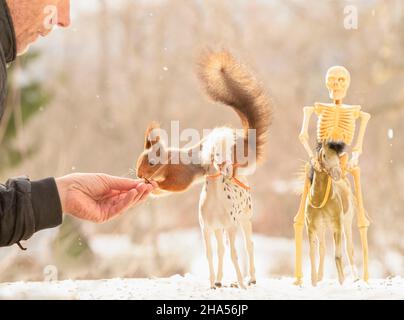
(124, 63)
(26, 97)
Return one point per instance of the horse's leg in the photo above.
(313, 250)
(322, 253)
(208, 248)
(338, 254)
(349, 243)
(220, 254)
(234, 257)
(363, 222)
(247, 231)
(298, 226)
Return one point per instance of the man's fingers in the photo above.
(124, 201)
(145, 194)
(142, 188)
(118, 183)
(123, 204)
(112, 194)
(154, 184)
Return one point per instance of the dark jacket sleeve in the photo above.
(27, 207)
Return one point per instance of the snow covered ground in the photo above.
(274, 262)
(191, 287)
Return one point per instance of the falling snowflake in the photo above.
(165, 68)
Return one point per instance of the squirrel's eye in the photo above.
(152, 162)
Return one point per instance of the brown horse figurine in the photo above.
(330, 205)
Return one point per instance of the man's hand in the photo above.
(99, 197)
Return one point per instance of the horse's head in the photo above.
(217, 151)
(329, 159)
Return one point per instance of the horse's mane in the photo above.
(338, 147)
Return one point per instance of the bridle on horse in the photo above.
(233, 178)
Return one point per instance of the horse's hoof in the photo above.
(298, 282)
(237, 285)
(252, 282)
(218, 284)
(213, 288)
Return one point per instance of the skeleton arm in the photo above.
(357, 150)
(304, 133)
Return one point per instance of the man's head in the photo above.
(34, 18)
(338, 80)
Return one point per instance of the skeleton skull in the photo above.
(337, 80)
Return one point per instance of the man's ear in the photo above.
(152, 135)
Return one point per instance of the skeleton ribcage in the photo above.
(336, 123)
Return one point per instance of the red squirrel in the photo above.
(226, 81)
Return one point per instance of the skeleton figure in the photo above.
(336, 123)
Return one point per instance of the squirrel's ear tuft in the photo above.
(152, 135)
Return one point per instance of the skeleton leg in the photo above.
(208, 248)
(247, 231)
(313, 250)
(320, 273)
(338, 255)
(298, 226)
(234, 257)
(220, 254)
(363, 222)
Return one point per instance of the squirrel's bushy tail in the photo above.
(227, 81)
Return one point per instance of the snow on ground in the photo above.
(191, 287)
(274, 259)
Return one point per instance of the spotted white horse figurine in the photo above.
(225, 206)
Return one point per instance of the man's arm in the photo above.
(27, 207)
